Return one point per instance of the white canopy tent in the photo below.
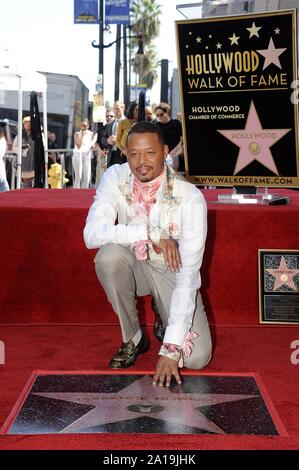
(11, 78)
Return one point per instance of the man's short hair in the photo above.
(146, 127)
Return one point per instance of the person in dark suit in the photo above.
(100, 153)
(109, 135)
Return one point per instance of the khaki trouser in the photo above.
(100, 168)
(123, 277)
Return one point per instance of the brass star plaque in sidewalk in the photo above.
(111, 403)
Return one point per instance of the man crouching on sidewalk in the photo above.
(156, 247)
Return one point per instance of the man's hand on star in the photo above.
(170, 250)
(165, 369)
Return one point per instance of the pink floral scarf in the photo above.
(144, 197)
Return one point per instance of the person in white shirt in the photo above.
(84, 141)
(3, 181)
(151, 227)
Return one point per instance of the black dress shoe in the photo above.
(128, 352)
(159, 328)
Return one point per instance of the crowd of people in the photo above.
(107, 145)
(27, 144)
(149, 224)
(98, 149)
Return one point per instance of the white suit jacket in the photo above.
(180, 210)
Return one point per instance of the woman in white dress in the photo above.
(84, 141)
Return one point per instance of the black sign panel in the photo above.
(238, 80)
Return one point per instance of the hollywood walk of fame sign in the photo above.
(237, 79)
(99, 402)
(279, 286)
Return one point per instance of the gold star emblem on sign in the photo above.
(283, 275)
(234, 39)
(254, 30)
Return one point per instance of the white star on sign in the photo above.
(271, 54)
(218, 45)
(254, 30)
(254, 142)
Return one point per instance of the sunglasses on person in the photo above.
(109, 115)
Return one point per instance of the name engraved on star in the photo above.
(2, 353)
